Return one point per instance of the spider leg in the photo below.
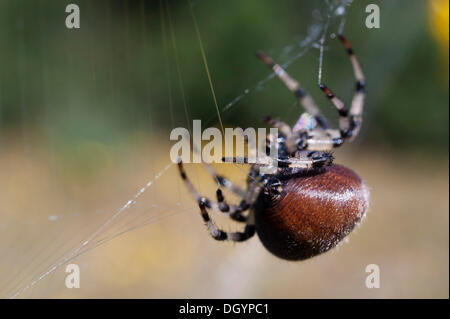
(219, 234)
(350, 120)
(344, 123)
(319, 140)
(281, 126)
(233, 211)
(307, 159)
(358, 98)
(303, 159)
(223, 181)
(305, 99)
(218, 178)
(262, 160)
(204, 203)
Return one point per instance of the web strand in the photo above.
(205, 62)
(75, 252)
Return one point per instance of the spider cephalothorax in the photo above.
(310, 204)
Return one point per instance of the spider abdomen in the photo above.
(316, 211)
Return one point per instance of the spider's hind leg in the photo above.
(233, 211)
(223, 181)
(204, 203)
(219, 234)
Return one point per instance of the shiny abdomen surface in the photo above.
(314, 213)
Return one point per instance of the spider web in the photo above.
(27, 266)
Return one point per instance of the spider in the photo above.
(310, 204)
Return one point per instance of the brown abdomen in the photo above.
(316, 212)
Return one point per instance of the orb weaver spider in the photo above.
(310, 204)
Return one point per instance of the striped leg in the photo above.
(356, 109)
(233, 211)
(259, 161)
(281, 126)
(223, 181)
(307, 159)
(290, 145)
(303, 159)
(344, 125)
(324, 140)
(236, 212)
(304, 99)
(218, 178)
(219, 234)
(349, 120)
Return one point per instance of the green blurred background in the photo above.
(85, 116)
(110, 76)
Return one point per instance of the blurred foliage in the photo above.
(439, 11)
(115, 75)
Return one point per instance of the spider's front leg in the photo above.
(349, 120)
(302, 159)
(305, 99)
(307, 159)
